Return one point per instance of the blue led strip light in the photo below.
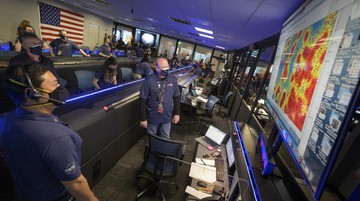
(248, 165)
(103, 90)
(190, 79)
(115, 87)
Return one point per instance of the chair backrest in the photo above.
(160, 148)
(85, 79)
(126, 74)
(210, 104)
(227, 98)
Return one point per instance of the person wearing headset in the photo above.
(43, 155)
(64, 47)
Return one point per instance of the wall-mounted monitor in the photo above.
(316, 71)
(146, 37)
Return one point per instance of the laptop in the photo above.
(212, 139)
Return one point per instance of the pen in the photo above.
(204, 190)
(202, 161)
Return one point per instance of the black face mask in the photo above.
(165, 72)
(63, 37)
(61, 94)
(37, 50)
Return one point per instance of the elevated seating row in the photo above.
(75, 75)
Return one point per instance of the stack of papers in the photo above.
(203, 172)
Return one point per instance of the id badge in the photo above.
(160, 108)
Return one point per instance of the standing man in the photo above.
(43, 155)
(157, 95)
(64, 47)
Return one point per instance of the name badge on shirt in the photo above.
(160, 108)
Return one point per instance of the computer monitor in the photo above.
(215, 134)
(312, 85)
(4, 46)
(146, 37)
(230, 153)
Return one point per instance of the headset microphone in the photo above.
(38, 95)
(35, 93)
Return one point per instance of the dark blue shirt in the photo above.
(40, 152)
(66, 47)
(143, 69)
(139, 52)
(99, 74)
(150, 91)
(105, 50)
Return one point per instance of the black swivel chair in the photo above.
(225, 102)
(161, 161)
(208, 111)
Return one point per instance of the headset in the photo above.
(35, 94)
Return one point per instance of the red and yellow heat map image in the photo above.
(300, 67)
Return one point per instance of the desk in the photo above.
(200, 152)
(195, 101)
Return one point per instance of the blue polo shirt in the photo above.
(99, 74)
(40, 152)
(67, 47)
(143, 69)
(105, 50)
(150, 90)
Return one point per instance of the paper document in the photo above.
(202, 161)
(198, 194)
(201, 99)
(203, 172)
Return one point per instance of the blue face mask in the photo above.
(165, 72)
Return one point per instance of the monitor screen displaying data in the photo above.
(316, 71)
(230, 152)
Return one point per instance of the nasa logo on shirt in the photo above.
(70, 169)
(170, 85)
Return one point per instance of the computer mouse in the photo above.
(202, 184)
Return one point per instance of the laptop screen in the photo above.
(215, 135)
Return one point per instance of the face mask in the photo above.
(165, 72)
(60, 94)
(63, 37)
(37, 50)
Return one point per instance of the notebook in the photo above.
(212, 139)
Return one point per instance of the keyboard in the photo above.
(219, 164)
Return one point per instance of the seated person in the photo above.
(27, 29)
(105, 49)
(197, 70)
(143, 69)
(105, 76)
(186, 60)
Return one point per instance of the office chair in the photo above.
(208, 111)
(126, 74)
(161, 161)
(85, 79)
(225, 102)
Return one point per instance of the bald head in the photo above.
(30, 40)
(162, 64)
(162, 67)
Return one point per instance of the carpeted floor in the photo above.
(120, 182)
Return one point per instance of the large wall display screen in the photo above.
(316, 71)
(146, 37)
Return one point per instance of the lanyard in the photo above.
(162, 89)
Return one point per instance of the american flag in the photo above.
(53, 19)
